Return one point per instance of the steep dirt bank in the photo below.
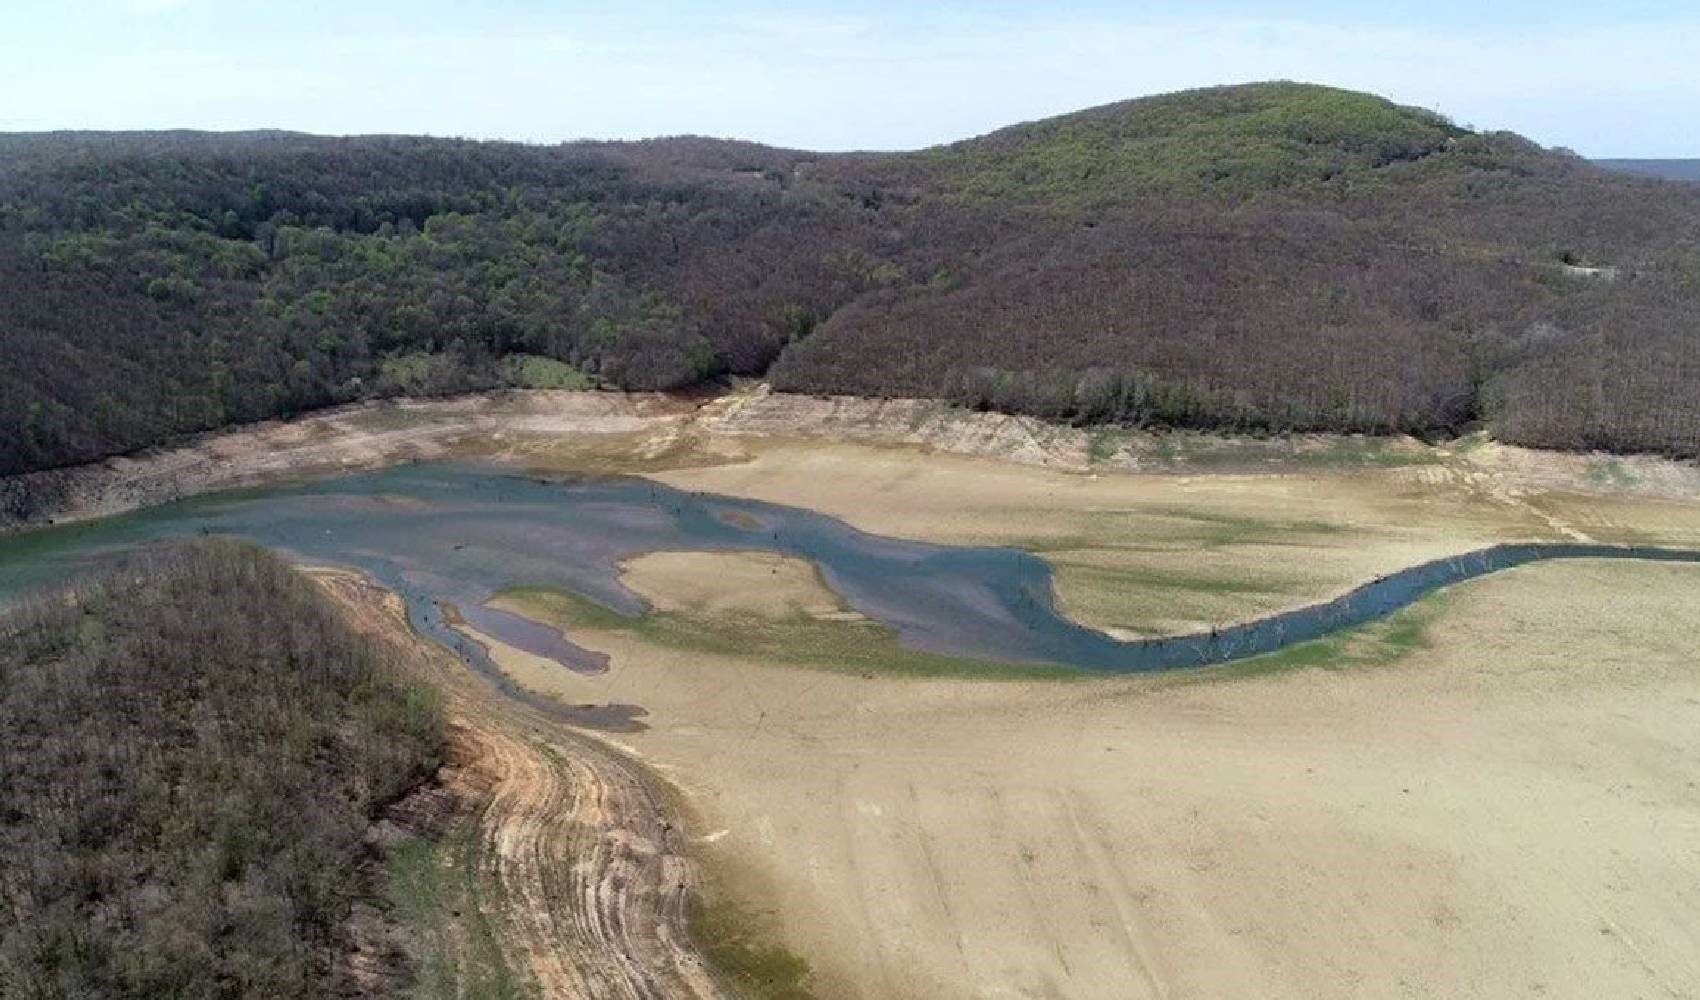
(580, 864)
(757, 412)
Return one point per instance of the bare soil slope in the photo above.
(580, 861)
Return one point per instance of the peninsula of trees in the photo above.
(197, 742)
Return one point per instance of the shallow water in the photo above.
(447, 537)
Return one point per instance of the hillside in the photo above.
(1670, 170)
(1226, 143)
(1269, 256)
(189, 770)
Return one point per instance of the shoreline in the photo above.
(559, 806)
(946, 834)
(353, 438)
(648, 431)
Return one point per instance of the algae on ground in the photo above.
(1372, 644)
(437, 890)
(735, 943)
(859, 647)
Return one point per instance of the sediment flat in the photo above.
(1492, 794)
(1508, 809)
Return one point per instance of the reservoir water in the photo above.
(449, 536)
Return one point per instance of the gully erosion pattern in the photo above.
(447, 537)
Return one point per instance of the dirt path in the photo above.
(581, 863)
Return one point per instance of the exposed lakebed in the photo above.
(448, 537)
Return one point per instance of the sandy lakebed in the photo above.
(1494, 793)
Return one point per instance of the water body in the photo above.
(447, 537)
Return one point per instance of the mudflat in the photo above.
(1509, 810)
(1182, 550)
(1494, 793)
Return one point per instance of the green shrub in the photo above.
(532, 371)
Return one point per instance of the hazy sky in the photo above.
(1611, 77)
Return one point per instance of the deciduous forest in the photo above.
(1270, 257)
(195, 745)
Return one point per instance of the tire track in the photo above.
(582, 867)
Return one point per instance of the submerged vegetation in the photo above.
(1270, 257)
(846, 646)
(195, 746)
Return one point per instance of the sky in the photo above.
(1607, 78)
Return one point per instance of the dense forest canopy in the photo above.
(1675, 170)
(1265, 257)
(195, 745)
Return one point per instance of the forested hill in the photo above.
(1674, 170)
(1270, 256)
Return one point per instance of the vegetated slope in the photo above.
(1671, 170)
(1290, 257)
(194, 746)
(1274, 256)
(154, 285)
